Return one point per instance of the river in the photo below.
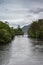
(21, 51)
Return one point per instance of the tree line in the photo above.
(36, 29)
(7, 33)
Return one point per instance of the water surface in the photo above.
(21, 51)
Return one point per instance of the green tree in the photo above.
(6, 33)
(18, 31)
(36, 29)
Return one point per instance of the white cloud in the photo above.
(20, 12)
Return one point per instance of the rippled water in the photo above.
(21, 51)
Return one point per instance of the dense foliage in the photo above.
(6, 33)
(18, 31)
(36, 29)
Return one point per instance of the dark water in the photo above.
(21, 51)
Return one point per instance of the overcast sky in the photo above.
(20, 12)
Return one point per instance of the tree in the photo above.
(6, 33)
(18, 31)
(36, 29)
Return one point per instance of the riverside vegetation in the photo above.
(36, 29)
(7, 33)
(18, 31)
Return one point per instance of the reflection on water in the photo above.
(4, 54)
(22, 51)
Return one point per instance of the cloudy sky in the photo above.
(20, 12)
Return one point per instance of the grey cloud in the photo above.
(1, 1)
(36, 11)
(20, 11)
(23, 3)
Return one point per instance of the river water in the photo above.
(21, 51)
